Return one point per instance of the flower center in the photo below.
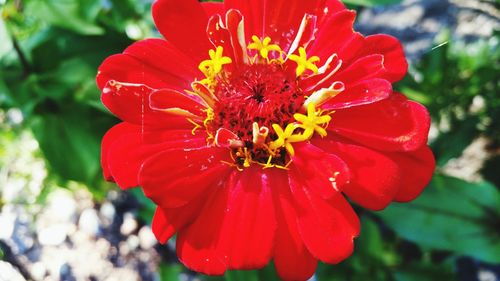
(257, 109)
(261, 93)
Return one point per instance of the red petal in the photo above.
(107, 141)
(165, 99)
(327, 9)
(324, 173)
(127, 153)
(291, 258)
(395, 62)
(163, 55)
(394, 124)
(250, 223)
(152, 62)
(235, 229)
(175, 177)
(226, 138)
(124, 139)
(280, 19)
(305, 33)
(183, 23)
(375, 177)
(198, 245)
(252, 11)
(417, 168)
(360, 72)
(213, 8)
(283, 18)
(130, 102)
(219, 36)
(230, 35)
(336, 35)
(362, 69)
(234, 24)
(327, 227)
(161, 227)
(166, 222)
(365, 92)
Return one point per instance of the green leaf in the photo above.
(170, 272)
(240, 275)
(5, 94)
(67, 14)
(268, 273)
(70, 139)
(54, 46)
(452, 144)
(213, 278)
(372, 258)
(6, 45)
(419, 272)
(451, 215)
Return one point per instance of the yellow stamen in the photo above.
(214, 65)
(210, 116)
(263, 46)
(259, 134)
(205, 93)
(245, 154)
(324, 95)
(196, 126)
(313, 122)
(285, 138)
(304, 63)
(269, 165)
(248, 158)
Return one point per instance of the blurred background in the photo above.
(60, 221)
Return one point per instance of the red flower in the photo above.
(249, 123)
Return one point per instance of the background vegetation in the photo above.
(49, 53)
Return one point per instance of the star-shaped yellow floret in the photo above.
(263, 46)
(304, 63)
(213, 66)
(285, 138)
(313, 122)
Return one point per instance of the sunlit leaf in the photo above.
(64, 13)
(451, 215)
(6, 45)
(170, 272)
(372, 259)
(70, 140)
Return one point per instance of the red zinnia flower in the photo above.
(249, 123)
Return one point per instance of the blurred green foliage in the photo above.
(48, 72)
(434, 221)
(49, 53)
(459, 84)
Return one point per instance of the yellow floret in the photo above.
(313, 122)
(304, 63)
(214, 65)
(263, 46)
